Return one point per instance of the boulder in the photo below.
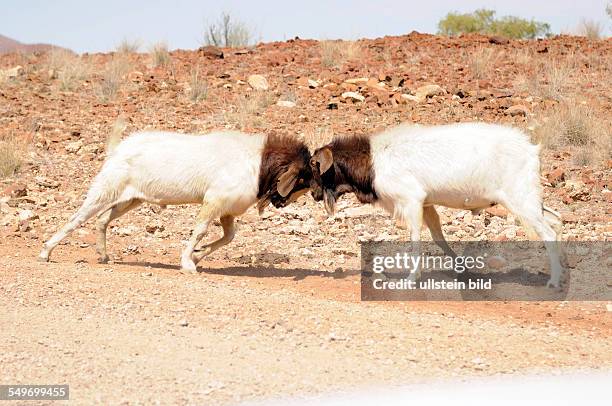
(354, 96)
(258, 82)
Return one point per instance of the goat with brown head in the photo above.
(343, 166)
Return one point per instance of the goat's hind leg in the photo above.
(432, 220)
(530, 211)
(103, 221)
(90, 208)
(229, 231)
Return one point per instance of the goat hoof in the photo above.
(42, 258)
(103, 260)
(189, 271)
(551, 284)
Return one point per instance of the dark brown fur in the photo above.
(278, 155)
(352, 169)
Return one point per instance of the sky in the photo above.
(98, 26)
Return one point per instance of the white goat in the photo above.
(225, 172)
(409, 169)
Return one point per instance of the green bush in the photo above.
(483, 21)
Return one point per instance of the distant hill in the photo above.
(8, 45)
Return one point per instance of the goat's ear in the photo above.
(325, 158)
(287, 180)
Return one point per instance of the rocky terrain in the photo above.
(278, 312)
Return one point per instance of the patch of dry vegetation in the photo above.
(11, 156)
(160, 55)
(70, 69)
(551, 80)
(249, 108)
(590, 29)
(482, 62)
(579, 127)
(337, 52)
(113, 76)
(198, 88)
(128, 47)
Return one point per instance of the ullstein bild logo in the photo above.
(484, 270)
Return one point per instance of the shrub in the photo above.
(483, 21)
(198, 89)
(69, 68)
(112, 77)
(590, 29)
(578, 127)
(128, 47)
(227, 33)
(160, 55)
(335, 53)
(10, 157)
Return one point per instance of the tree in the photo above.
(483, 21)
(227, 33)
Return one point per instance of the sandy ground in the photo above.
(144, 333)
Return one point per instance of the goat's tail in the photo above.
(115, 136)
(553, 218)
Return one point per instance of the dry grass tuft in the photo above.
(578, 127)
(68, 68)
(116, 69)
(128, 47)
(160, 55)
(591, 29)
(249, 108)
(198, 89)
(335, 53)
(555, 79)
(11, 157)
(482, 61)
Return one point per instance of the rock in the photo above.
(498, 40)
(517, 110)
(152, 228)
(306, 82)
(556, 176)
(44, 182)
(15, 190)
(497, 210)
(358, 211)
(410, 97)
(74, 147)
(496, 262)
(25, 215)
(570, 218)
(11, 73)
(353, 96)
(258, 82)
(356, 81)
(426, 91)
(285, 103)
(211, 52)
(183, 323)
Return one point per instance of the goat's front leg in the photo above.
(432, 220)
(205, 216)
(229, 231)
(412, 211)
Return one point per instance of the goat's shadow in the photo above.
(255, 269)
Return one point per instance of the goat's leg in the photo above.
(529, 210)
(105, 218)
(413, 212)
(229, 231)
(432, 220)
(207, 213)
(90, 208)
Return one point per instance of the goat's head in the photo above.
(344, 166)
(285, 174)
